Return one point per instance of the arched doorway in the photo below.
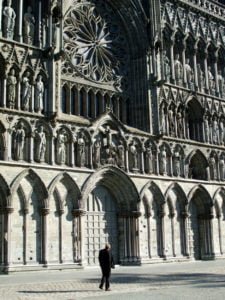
(101, 224)
(200, 225)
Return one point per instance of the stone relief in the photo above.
(29, 26)
(19, 136)
(81, 150)
(9, 17)
(61, 146)
(41, 144)
(11, 89)
(39, 95)
(26, 91)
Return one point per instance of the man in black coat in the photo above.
(106, 263)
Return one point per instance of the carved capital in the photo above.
(78, 212)
(44, 211)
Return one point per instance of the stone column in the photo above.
(4, 99)
(172, 59)
(52, 150)
(171, 216)
(211, 240)
(31, 148)
(39, 25)
(90, 158)
(218, 216)
(126, 159)
(44, 212)
(216, 73)
(1, 9)
(18, 99)
(161, 216)
(25, 213)
(142, 160)
(20, 18)
(7, 235)
(77, 234)
(206, 70)
(184, 219)
(9, 141)
(135, 234)
(72, 154)
(195, 65)
(148, 216)
(60, 212)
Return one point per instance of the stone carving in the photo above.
(167, 68)
(201, 78)
(163, 119)
(26, 91)
(120, 156)
(207, 129)
(61, 142)
(163, 161)
(222, 167)
(212, 84)
(171, 121)
(176, 163)
(221, 83)
(11, 89)
(91, 44)
(40, 149)
(29, 27)
(180, 127)
(221, 131)
(178, 70)
(189, 73)
(148, 160)
(215, 131)
(19, 142)
(134, 156)
(110, 155)
(39, 95)
(212, 166)
(9, 17)
(81, 150)
(97, 153)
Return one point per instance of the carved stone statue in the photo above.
(221, 130)
(9, 17)
(222, 168)
(41, 142)
(171, 121)
(81, 150)
(215, 131)
(97, 153)
(207, 129)
(163, 161)
(120, 155)
(201, 78)
(39, 95)
(176, 163)
(189, 73)
(180, 126)
(61, 147)
(221, 84)
(26, 91)
(148, 160)
(134, 156)
(212, 165)
(163, 119)
(167, 68)
(212, 84)
(11, 89)
(19, 142)
(178, 70)
(29, 26)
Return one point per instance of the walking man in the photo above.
(106, 263)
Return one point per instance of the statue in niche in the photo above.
(171, 121)
(221, 167)
(176, 163)
(11, 89)
(134, 156)
(167, 68)
(163, 161)
(163, 119)
(9, 17)
(201, 78)
(110, 155)
(39, 95)
(212, 84)
(221, 131)
(61, 142)
(180, 126)
(26, 91)
(207, 129)
(120, 156)
(148, 159)
(221, 83)
(81, 150)
(29, 27)
(19, 142)
(178, 70)
(212, 165)
(215, 131)
(108, 134)
(97, 153)
(189, 73)
(41, 143)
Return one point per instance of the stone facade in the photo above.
(112, 129)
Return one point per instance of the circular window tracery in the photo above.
(95, 44)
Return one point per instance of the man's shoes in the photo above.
(101, 287)
(108, 290)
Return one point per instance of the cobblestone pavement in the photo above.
(203, 280)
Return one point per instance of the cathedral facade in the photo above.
(112, 129)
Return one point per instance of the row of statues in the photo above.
(9, 23)
(26, 92)
(106, 150)
(185, 73)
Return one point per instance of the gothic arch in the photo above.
(204, 199)
(197, 165)
(179, 191)
(118, 183)
(153, 187)
(195, 119)
(39, 184)
(5, 193)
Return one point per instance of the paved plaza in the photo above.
(201, 280)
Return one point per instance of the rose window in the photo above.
(95, 44)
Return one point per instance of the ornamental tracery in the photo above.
(95, 45)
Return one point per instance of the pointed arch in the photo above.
(197, 165)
